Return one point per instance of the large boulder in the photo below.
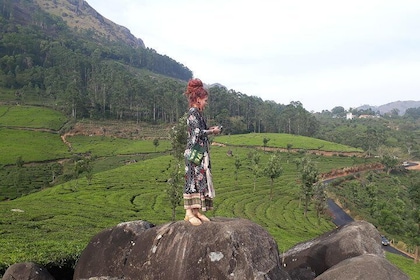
(221, 249)
(309, 259)
(27, 271)
(364, 267)
(107, 252)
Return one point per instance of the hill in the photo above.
(79, 15)
(76, 26)
(400, 106)
(107, 179)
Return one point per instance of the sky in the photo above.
(323, 53)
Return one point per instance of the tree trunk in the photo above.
(173, 214)
(306, 205)
(271, 191)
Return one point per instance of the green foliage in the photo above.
(19, 162)
(370, 134)
(176, 186)
(308, 176)
(265, 142)
(19, 181)
(320, 198)
(383, 200)
(255, 167)
(178, 136)
(238, 165)
(412, 113)
(389, 157)
(273, 170)
(156, 143)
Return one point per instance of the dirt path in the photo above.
(295, 150)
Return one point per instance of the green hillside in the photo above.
(128, 181)
(31, 117)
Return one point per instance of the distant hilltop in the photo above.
(401, 106)
(78, 14)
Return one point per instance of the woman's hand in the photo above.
(215, 130)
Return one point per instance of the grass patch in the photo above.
(31, 117)
(406, 265)
(282, 140)
(30, 145)
(19, 181)
(111, 146)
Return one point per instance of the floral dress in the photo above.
(198, 190)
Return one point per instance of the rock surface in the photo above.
(318, 255)
(107, 252)
(364, 267)
(27, 271)
(221, 249)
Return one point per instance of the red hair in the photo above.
(195, 91)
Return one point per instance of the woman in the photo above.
(198, 190)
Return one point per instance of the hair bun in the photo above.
(195, 90)
(195, 83)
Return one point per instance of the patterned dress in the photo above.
(198, 190)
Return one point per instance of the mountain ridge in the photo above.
(400, 106)
(75, 13)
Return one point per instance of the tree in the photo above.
(238, 165)
(265, 141)
(414, 194)
(156, 143)
(413, 113)
(178, 137)
(89, 170)
(19, 162)
(273, 170)
(83, 165)
(389, 157)
(372, 198)
(320, 199)
(255, 157)
(174, 191)
(338, 111)
(309, 176)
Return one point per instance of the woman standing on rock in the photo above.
(198, 190)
